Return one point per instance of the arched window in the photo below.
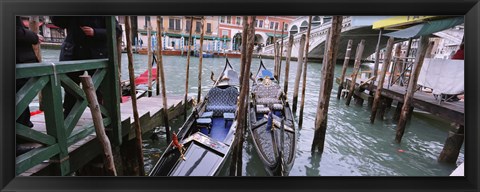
(304, 26)
(316, 21)
(293, 30)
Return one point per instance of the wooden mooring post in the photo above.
(159, 50)
(344, 68)
(452, 145)
(188, 67)
(397, 65)
(200, 56)
(248, 28)
(299, 73)
(412, 87)
(326, 84)
(279, 73)
(381, 80)
(356, 68)
(287, 64)
(275, 54)
(304, 74)
(138, 129)
(161, 78)
(150, 56)
(89, 89)
(377, 62)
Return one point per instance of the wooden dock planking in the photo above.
(452, 111)
(149, 111)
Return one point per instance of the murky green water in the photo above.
(353, 146)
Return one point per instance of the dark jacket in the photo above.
(77, 45)
(24, 41)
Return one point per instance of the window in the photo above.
(209, 27)
(187, 26)
(276, 25)
(293, 30)
(238, 20)
(171, 24)
(222, 19)
(286, 26)
(260, 24)
(229, 19)
(198, 26)
(177, 24)
(272, 24)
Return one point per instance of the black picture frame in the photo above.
(10, 8)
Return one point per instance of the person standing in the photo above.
(24, 53)
(86, 39)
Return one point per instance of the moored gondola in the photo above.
(203, 143)
(271, 124)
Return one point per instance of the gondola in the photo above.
(203, 143)
(271, 124)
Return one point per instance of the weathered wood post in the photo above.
(161, 78)
(299, 73)
(150, 56)
(275, 54)
(281, 53)
(326, 85)
(452, 146)
(185, 101)
(287, 64)
(358, 58)
(344, 68)
(377, 61)
(248, 28)
(381, 80)
(138, 129)
(89, 89)
(199, 94)
(304, 78)
(412, 86)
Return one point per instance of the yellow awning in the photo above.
(400, 22)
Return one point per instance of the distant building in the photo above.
(231, 27)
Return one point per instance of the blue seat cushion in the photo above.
(204, 121)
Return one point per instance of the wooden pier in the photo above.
(450, 111)
(84, 147)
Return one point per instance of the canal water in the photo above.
(353, 146)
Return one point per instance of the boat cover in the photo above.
(444, 76)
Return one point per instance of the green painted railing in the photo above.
(49, 79)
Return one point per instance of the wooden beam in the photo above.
(356, 68)
(89, 89)
(199, 94)
(386, 64)
(287, 64)
(412, 86)
(304, 79)
(326, 84)
(299, 73)
(190, 38)
(131, 71)
(344, 68)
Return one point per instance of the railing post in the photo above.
(54, 121)
(110, 85)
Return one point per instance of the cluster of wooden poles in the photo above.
(329, 61)
(160, 76)
(404, 110)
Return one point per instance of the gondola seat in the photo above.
(221, 101)
(267, 95)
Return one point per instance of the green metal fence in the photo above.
(49, 78)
